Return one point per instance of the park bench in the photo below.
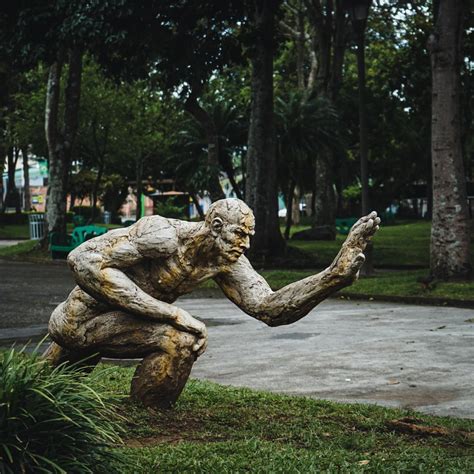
(344, 225)
(79, 235)
(78, 221)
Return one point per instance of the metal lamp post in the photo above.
(358, 12)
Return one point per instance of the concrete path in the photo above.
(368, 352)
(8, 243)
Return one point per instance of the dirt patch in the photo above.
(152, 441)
(417, 427)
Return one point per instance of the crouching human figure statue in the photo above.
(128, 279)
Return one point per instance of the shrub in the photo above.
(170, 208)
(52, 420)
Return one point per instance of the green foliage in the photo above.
(305, 127)
(352, 192)
(25, 122)
(52, 420)
(188, 164)
(170, 208)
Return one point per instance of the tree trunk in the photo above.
(295, 209)
(55, 198)
(4, 103)
(368, 267)
(95, 190)
(328, 47)
(449, 252)
(60, 144)
(324, 196)
(139, 177)
(289, 208)
(201, 115)
(12, 198)
(197, 205)
(26, 179)
(226, 163)
(261, 186)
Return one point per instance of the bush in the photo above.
(171, 209)
(52, 420)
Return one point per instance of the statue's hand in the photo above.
(185, 322)
(363, 231)
(351, 257)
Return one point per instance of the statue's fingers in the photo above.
(358, 262)
(200, 346)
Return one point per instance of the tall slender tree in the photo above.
(449, 252)
(261, 186)
(61, 135)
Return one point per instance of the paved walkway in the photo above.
(8, 243)
(389, 354)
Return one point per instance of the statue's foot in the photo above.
(351, 256)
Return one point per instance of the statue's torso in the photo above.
(168, 278)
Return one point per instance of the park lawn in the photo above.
(14, 231)
(214, 428)
(22, 231)
(384, 283)
(29, 251)
(387, 283)
(403, 245)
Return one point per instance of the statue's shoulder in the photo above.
(155, 236)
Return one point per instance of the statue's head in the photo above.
(231, 223)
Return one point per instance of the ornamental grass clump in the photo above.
(52, 420)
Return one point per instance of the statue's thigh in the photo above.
(117, 334)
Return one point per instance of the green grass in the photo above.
(217, 429)
(405, 283)
(405, 244)
(29, 251)
(22, 231)
(14, 231)
(385, 283)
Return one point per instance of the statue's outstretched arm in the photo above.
(249, 290)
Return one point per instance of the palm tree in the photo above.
(191, 160)
(304, 126)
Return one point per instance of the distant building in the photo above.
(38, 170)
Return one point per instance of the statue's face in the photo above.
(233, 239)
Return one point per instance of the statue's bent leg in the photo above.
(57, 355)
(61, 326)
(167, 352)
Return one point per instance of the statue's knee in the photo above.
(64, 329)
(56, 323)
(180, 342)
